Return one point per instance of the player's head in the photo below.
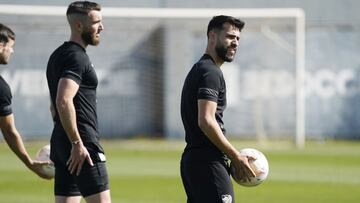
(85, 19)
(223, 35)
(7, 41)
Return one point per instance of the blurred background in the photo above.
(142, 62)
(276, 90)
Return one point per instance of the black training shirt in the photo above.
(5, 98)
(204, 81)
(71, 61)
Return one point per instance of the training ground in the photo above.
(147, 171)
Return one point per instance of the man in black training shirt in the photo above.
(204, 166)
(79, 159)
(7, 123)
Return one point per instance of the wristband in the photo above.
(76, 142)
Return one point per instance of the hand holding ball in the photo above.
(44, 155)
(260, 166)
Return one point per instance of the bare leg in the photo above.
(102, 197)
(65, 199)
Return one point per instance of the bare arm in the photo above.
(208, 124)
(67, 90)
(14, 140)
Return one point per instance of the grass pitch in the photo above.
(147, 171)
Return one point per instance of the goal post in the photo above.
(171, 118)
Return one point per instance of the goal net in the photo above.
(143, 58)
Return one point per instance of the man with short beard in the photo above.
(7, 120)
(78, 157)
(204, 162)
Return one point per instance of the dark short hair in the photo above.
(82, 7)
(217, 23)
(5, 34)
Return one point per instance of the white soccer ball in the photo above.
(44, 155)
(260, 166)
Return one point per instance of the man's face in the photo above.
(5, 51)
(92, 28)
(227, 42)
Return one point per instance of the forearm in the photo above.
(213, 131)
(67, 116)
(14, 141)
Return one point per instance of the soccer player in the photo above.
(204, 162)
(7, 123)
(79, 159)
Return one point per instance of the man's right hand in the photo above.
(242, 166)
(77, 157)
(37, 167)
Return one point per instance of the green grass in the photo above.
(147, 171)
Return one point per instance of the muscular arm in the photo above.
(66, 92)
(208, 124)
(14, 140)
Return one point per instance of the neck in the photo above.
(78, 40)
(218, 61)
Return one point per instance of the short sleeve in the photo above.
(5, 101)
(209, 86)
(74, 67)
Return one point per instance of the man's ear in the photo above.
(79, 26)
(212, 36)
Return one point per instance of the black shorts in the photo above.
(207, 181)
(91, 180)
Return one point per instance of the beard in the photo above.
(88, 38)
(3, 59)
(222, 51)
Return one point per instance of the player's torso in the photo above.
(194, 136)
(5, 98)
(5, 90)
(85, 99)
